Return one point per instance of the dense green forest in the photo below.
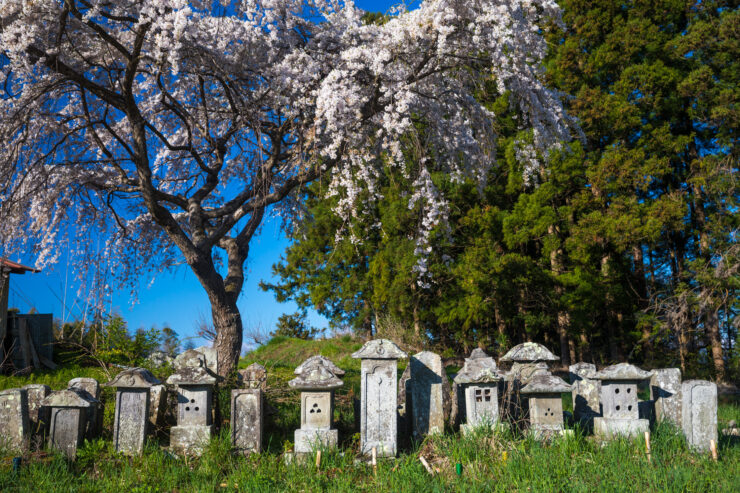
(624, 247)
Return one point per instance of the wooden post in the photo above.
(375, 461)
(713, 448)
(425, 464)
(318, 459)
(647, 445)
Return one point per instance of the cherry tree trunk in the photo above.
(227, 322)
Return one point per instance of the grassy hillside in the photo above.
(489, 462)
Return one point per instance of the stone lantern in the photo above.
(619, 403)
(378, 396)
(68, 419)
(132, 409)
(544, 395)
(526, 359)
(478, 380)
(194, 428)
(317, 383)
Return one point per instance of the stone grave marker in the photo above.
(665, 389)
(699, 413)
(68, 419)
(254, 377)
(317, 383)
(94, 424)
(38, 416)
(14, 426)
(157, 405)
(525, 359)
(478, 380)
(248, 410)
(132, 409)
(619, 403)
(545, 403)
(427, 390)
(585, 392)
(404, 403)
(194, 387)
(378, 401)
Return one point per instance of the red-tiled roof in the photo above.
(15, 267)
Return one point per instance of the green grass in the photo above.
(501, 462)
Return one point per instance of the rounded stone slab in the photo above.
(315, 376)
(529, 351)
(546, 383)
(478, 368)
(622, 371)
(69, 398)
(134, 378)
(192, 376)
(380, 349)
(189, 359)
(321, 360)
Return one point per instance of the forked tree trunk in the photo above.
(227, 322)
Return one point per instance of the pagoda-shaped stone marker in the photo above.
(38, 416)
(194, 387)
(619, 401)
(94, 424)
(525, 359)
(14, 427)
(699, 413)
(378, 416)
(132, 409)
(248, 410)
(544, 392)
(317, 382)
(478, 380)
(585, 392)
(428, 395)
(665, 390)
(68, 418)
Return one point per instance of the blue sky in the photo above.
(174, 298)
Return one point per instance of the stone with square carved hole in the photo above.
(317, 381)
(68, 418)
(378, 396)
(545, 403)
(194, 387)
(132, 409)
(619, 403)
(478, 380)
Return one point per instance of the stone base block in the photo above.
(613, 427)
(306, 441)
(548, 432)
(190, 440)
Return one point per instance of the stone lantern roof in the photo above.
(528, 352)
(140, 378)
(315, 375)
(380, 349)
(69, 398)
(192, 376)
(322, 361)
(543, 382)
(478, 368)
(622, 371)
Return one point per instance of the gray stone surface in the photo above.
(608, 428)
(476, 390)
(585, 391)
(94, 422)
(544, 402)
(315, 376)
(254, 377)
(38, 416)
(321, 360)
(211, 358)
(317, 410)
(478, 368)
(529, 352)
(427, 374)
(544, 382)
(190, 440)
(14, 426)
(306, 441)
(68, 418)
(247, 420)
(379, 349)
(132, 409)
(157, 404)
(194, 405)
(189, 359)
(699, 413)
(160, 358)
(665, 391)
(623, 371)
(317, 380)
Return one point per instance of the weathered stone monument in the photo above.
(248, 410)
(68, 418)
(132, 409)
(317, 383)
(478, 381)
(428, 394)
(665, 390)
(619, 402)
(157, 404)
(699, 413)
(525, 359)
(544, 394)
(405, 421)
(194, 387)
(585, 394)
(14, 427)
(38, 416)
(94, 424)
(378, 414)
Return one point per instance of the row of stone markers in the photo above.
(528, 396)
